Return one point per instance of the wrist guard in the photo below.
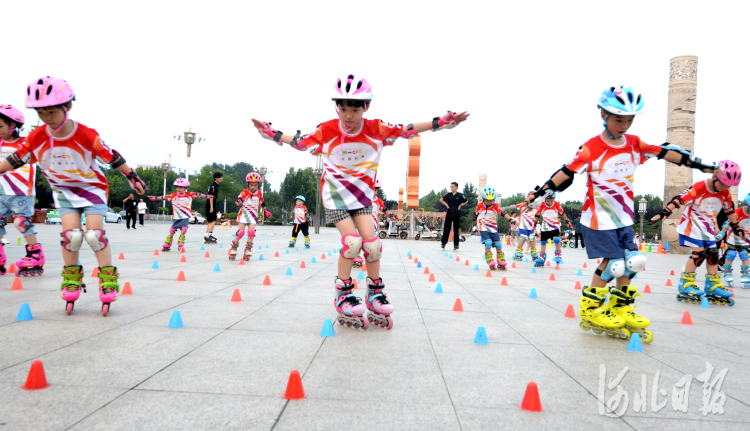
(439, 123)
(268, 133)
(134, 179)
(664, 213)
(737, 230)
(117, 160)
(15, 161)
(686, 158)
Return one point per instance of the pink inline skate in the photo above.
(108, 287)
(32, 263)
(357, 262)
(72, 285)
(2, 260)
(379, 308)
(348, 306)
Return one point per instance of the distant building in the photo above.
(146, 166)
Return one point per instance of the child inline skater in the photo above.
(182, 202)
(351, 148)
(485, 217)
(549, 212)
(737, 246)
(69, 154)
(250, 201)
(300, 221)
(527, 217)
(610, 159)
(703, 201)
(17, 195)
(377, 206)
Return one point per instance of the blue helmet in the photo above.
(488, 193)
(300, 197)
(621, 101)
(747, 199)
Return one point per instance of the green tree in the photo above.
(430, 201)
(467, 211)
(298, 182)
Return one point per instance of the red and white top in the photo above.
(21, 181)
(299, 214)
(528, 217)
(611, 172)
(487, 216)
(181, 204)
(71, 166)
(550, 216)
(701, 208)
(743, 219)
(251, 202)
(350, 161)
(377, 207)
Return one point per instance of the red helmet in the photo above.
(253, 177)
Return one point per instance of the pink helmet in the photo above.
(12, 114)
(182, 182)
(47, 91)
(729, 173)
(253, 177)
(352, 88)
(377, 184)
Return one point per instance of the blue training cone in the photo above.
(327, 330)
(446, 254)
(296, 248)
(329, 253)
(419, 264)
(635, 276)
(533, 293)
(221, 245)
(476, 267)
(24, 313)
(287, 251)
(176, 320)
(533, 270)
(408, 253)
(266, 245)
(216, 268)
(579, 272)
(313, 260)
(635, 344)
(79, 262)
(439, 288)
(155, 265)
(527, 260)
(261, 257)
(203, 247)
(481, 337)
(704, 302)
(360, 276)
(450, 257)
(288, 270)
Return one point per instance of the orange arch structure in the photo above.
(412, 173)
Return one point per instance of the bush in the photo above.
(117, 209)
(231, 216)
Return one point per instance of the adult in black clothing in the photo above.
(578, 232)
(131, 210)
(212, 207)
(454, 201)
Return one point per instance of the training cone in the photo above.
(481, 337)
(450, 257)
(548, 264)
(489, 273)
(458, 306)
(527, 260)
(432, 277)
(327, 330)
(182, 250)
(313, 260)
(127, 290)
(532, 294)
(533, 270)
(426, 269)
(578, 285)
(635, 344)
(262, 258)
(360, 275)
(671, 272)
(287, 251)
(364, 268)
(121, 257)
(322, 256)
(296, 248)
(176, 320)
(417, 261)
(531, 400)
(203, 247)
(704, 303)
(181, 276)
(439, 288)
(242, 262)
(182, 259)
(95, 272)
(329, 253)
(647, 289)
(216, 268)
(17, 285)
(584, 265)
(288, 270)
(302, 265)
(267, 281)
(356, 286)
(467, 262)
(476, 267)
(36, 378)
(276, 255)
(236, 296)
(24, 313)
(445, 254)
(207, 255)
(579, 272)
(294, 387)
(156, 252)
(569, 312)
(686, 319)
(557, 267)
(669, 282)
(411, 257)
(419, 264)
(504, 282)
(552, 277)
(12, 268)
(597, 261)
(513, 265)
(155, 265)
(457, 259)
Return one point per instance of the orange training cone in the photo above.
(548, 264)
(672, 273)
(507, 241)
(416, 260)
(669, 282)
(578, 285)
(569, 312)
(242, 262)
(513, 265)
(597, 261)
(208, 255)
(267, 281)
(467, 262)
(36, 378)
(458, 306)
(457, 259)
(432, 277)
(95, 271)
(322, 256)
(364, 268)
(489, 273)
(552, 277)
(531, 400)
(121, 257)
(236, 296)
(17, 285)
(504, 282)
(183, 260)
(294, 389)
(12, 268)
(302, 265)
(411, 257)
(127, 290)
(686, 319)
(584, 265)
(557, 267)
(355, 283)
(426, 269)
(181, 276)
(156, 252)
(647, 289)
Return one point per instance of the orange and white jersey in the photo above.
(181, 204)
(350, 161)
(527, 220)
(701, 208)
(300, 213)
(71, 165)
(550, 216)
(377, 207)
(487, 216)
(21, 181)
(743, 219)
(250, 209)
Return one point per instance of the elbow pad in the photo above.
(555, 188)
(117, 160)
(16, 161)
(409, 132)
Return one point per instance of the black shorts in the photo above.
(210, 216)
(549, 235)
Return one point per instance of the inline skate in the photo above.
(168, 242)
(292, 242)
(348, 306)
(357, 262)
(307, 242)
(379, 308)
(72, 286)
(32, 264)
(687, 289)
(558, 257)
(539, 262)
(728, 277)
(745, 276)
(3, 260)
(620, 303)
(210, 239)
(248, 252)
(108, 287)
(181, 239)
(595, 315)
(519, 254)
(715, 291)
(534, 254)
(233, 250)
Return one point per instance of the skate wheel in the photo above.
(597, 331)
(390, 323)
(679, 298)
(730, 302)
(369, 319)
(349, 324)
(24, 273)
(356, 325)
(612, 335)
(69, 308)
(647, 336)
(625, 334)
(341, 322)
(583, 326)
(365, 325)
(105, 309)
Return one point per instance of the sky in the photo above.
(529, 73)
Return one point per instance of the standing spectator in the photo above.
(454, 201)
(212, 206)
(130, 210)
(514, 227)
(142, 207)
(579, 232)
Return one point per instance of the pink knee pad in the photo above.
(250, 233)
(172, 231)
(184, 229)
(352, 243)
(240, 234)
(373, 249)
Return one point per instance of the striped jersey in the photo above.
(743, 219)
(527, 220)
(701, 208)
(487, 216)
(21, 181)
(251, 203)
(377, 207)
(181, 204)
(300, 213)
(550, 216)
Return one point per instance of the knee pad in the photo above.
(556, 240)
(250, 234)
(712, 256)
(96, 239)
(352, 244)
(698, 257)
(373, 249)
(605, 276)
(498, 245)
(635, 261)
(488, 243)
(184, 229)
(731, 254)
(72, 239)
(172, 231)
(22, 224)
(744, 255)
(240, 233)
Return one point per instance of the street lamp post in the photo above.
(165, 167)
(642, 211)
(263, 170)
(190, 139)
(318, 171)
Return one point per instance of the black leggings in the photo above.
(302, 227)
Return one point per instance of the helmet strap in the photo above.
(607, 129)
(65, 120)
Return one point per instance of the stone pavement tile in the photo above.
(289, 317)
(681, 424)
(157, 410)
(240, 363)
(442, 302)
(54, 408)
(119, 358)
(513, 418)
(460, 328)
(323, 414)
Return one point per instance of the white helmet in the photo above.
(351, 87)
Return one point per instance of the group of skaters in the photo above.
(351, 146)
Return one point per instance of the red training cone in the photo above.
(647, 289)
(183, 260)
(208, 255)
(236, 296)
(416, 260)
(17, 285)
(552, 277)
(267, 281)
(364, 268)
(181, 276)
(302, 265)
(294, 389)
(569, 312)
(548, 264)
(557, 267)
(669, 282)
(432, 277)
(489, 273)
(242, 262)
(578, 285)
(457, 259)
(95, 271)
(121, 257)
(686, 319)
(672, 272)
(127, 290)
(531, 400)
(426, 269)
(182, 250)
(411, 257)
(467, 262)
(355, 284)
(584, 265)
(504, 282)
(458, 306)
(322, 256)
(513, 265)
(597, 261)
(36, 378)
(12, 268)
(156, 252)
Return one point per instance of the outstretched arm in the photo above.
(447, 121)
(672, 205)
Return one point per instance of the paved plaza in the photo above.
(228, 367)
